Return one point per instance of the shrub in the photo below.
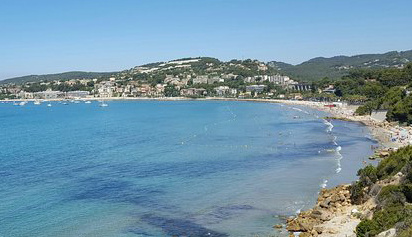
(357, 194)
(391, 194)
(407, 170)
(406, 233)
(365, 227)
(368, 175)
(407, 191)
(367, 108)
(382, 220)
(395, 162)
(404, 228)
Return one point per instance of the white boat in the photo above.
(23, 103)
(36, 102)
(103, 104)
(88, 102)
(49, 105)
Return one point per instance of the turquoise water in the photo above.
(152, 168)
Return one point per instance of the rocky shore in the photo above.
(333, 215)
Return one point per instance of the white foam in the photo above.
(337, 149)
(338, 159)
(334, 141)
(329, 124)
(299, 210)
(300, 110)
(324, 183)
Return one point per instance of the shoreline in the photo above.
(334, 214)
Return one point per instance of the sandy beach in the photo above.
(389, 135)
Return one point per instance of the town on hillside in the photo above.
(191, 77)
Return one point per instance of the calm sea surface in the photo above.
(150, 168)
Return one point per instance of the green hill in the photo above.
(336, 67)
(57, 76)
(311, 70)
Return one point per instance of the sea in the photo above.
(168, 168)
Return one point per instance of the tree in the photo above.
(171, 91)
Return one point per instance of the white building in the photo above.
(200, 80)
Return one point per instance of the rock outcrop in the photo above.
(388, 233)
(331, 202)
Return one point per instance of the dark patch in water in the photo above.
(139, 232)
(180, 227)
(227, 212)
(115, 191)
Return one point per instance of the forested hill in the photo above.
(336, 67)
(311, 70)
(57, 76)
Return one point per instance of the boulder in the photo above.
(332, 231)
(314, 233)
(384, 154)
(319, 229)
(354, 211)
(305, 234)
(388, 233)
(321, 214)
(335, 198)
(306, 225)
(293, 226)
(325, 203)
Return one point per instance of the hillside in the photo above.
(336, 67)
(311, 70)
(192, 67)
(57, 76)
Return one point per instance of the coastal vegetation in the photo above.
(57, 76)
(390, 185)
(336, 67)
(381, 198)
(6, 96)
(64, 87)
(375, 89)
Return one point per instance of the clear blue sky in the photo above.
(49, 36)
